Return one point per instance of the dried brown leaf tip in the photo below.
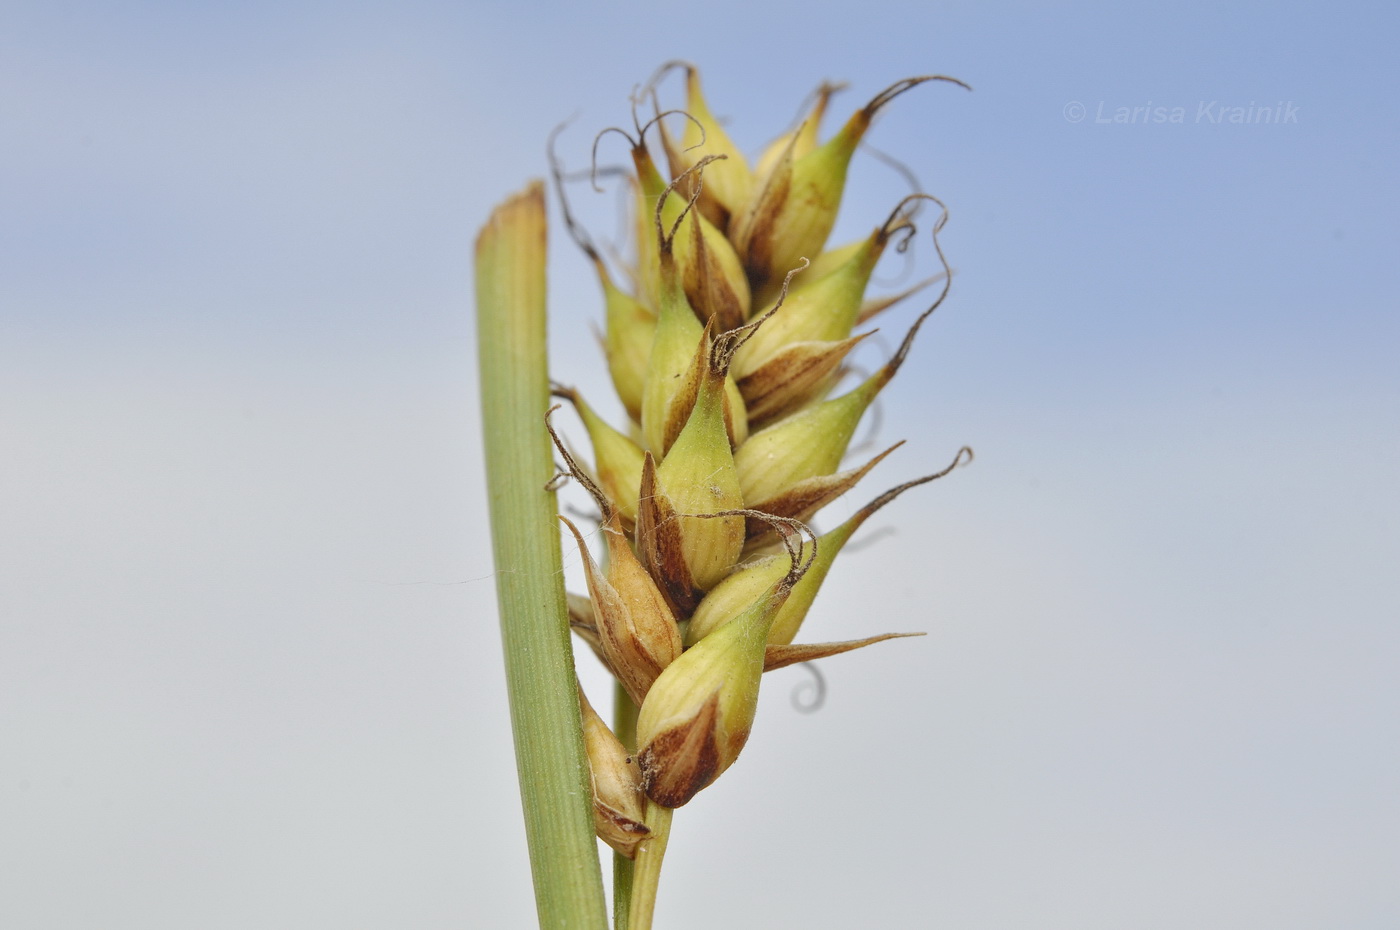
(731, 371)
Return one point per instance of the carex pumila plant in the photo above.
(728, 336)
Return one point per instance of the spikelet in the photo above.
(618, 808)
(633, 629)
(728, 185)
(741, 586)
(792, 214)
(732, 376)
(617, 459)
(802, 138)
(679, 345)
(826, 305)
(697, 717)
(629, 324)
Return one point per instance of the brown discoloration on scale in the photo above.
(706, 287)
(679, 163)
(683, 401)
(583, 623)
(781, 656)
(714, 211)
(618, 830)
(645, 638)
(753, 231)
(681, 761)
(618, 808)
(632, 628)
(660, 545)
(804, 499)
(635, 639)
(758, 256)
(730, 426)
(793, 377)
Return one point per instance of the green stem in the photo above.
(554, 782)
(622, 891)
(646, 870)
(625, 717)
(625, 727)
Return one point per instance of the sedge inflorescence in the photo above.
(728, 343)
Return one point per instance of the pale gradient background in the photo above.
(249, 666)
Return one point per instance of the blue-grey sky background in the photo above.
(249, 665)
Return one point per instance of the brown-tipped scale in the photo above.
(619, 808)
(710, 271)
(721, 603)
(802, 138)
(698, 715)
(825, 305)
(617, 460)
(698, 477)
(727, 184)
(637, 633)
(629, 622)
(793, 212)
(811, 443)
